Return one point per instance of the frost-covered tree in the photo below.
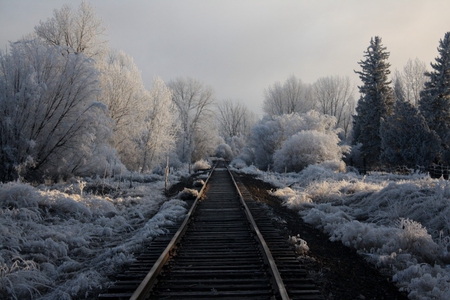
(413, 79)
(399, 89)
(235, 119)
(77, 31)
(122, 88)
(305, 148)
(434, 101)
(224, 151)
(157, 135)
(235, 122)
(238, 144)
(206, 138)
(333, 95)
(376, 101)
(194, 102)
(265, 139)
(269, 134)
(406, 139)
(50, 122)
(125, 96)
(293, 96)
(274, 101)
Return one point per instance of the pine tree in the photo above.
(376, 101)
(435, 97)
(406, 139)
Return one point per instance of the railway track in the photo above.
(226, 248)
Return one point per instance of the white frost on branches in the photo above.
(50, 121)
(292, 142)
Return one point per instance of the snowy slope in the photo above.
(61, 243)
(399, 223)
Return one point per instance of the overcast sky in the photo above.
(240, 47)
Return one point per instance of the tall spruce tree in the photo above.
(406, 139)
(376, 101)
(434, 102)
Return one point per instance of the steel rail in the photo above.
(150, 279)
(266, 252)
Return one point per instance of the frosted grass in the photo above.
(63, 243)
(400, 223)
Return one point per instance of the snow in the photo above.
(61, 242)
(301, 246)
(400, 223)
(201, 165)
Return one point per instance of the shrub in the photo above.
(201, 165)
(224, 151)
(238, 163)
(307, 148)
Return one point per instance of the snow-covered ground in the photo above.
(399, 223)
(62, 241)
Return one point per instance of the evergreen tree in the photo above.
(406, 139)
(376, 101)
(435, 97)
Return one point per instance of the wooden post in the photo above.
(166, 179)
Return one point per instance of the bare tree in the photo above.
(413, 79)
(297, 95)
(333, 96)
(274, 100)
(235, 119)
(79, 31)
(194, 102)
(206, 138)
(292, 96)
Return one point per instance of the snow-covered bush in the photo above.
(307, 148)
(198, 183)
(335, 165)
(237, 144)
(293, 141)
(188, 194)
(58, 245)
(424, 281)
(246, 155)
(265, 139)
(415, 239)
(201, 165)
(224, 151)
(290, 198)
(397, 222)
(301, 246)
(251, 170)
(238, 163)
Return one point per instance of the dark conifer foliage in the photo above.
(435, 97)
(406, 139)
(376, 101)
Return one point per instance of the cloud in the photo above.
(242, 47)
